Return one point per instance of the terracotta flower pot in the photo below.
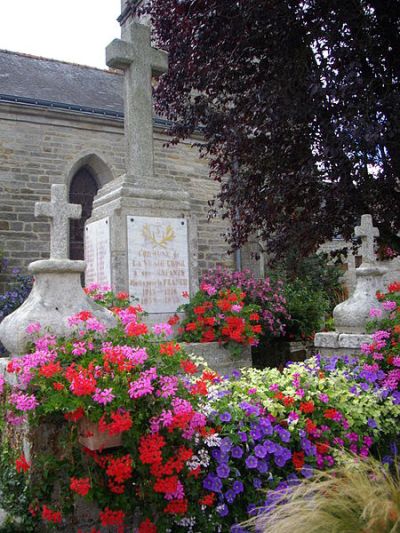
(92, 438)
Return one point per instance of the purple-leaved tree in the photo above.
(299, 106)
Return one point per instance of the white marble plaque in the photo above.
(158, 262)
(97, 252)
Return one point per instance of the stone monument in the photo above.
(57, 292)
(149, 235)
(350, 317)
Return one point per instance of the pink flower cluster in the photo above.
(103, 397)
(163, 329)
(23, 402)
(143, 385)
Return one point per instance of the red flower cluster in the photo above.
(74, 416)
(134, 329)
(111, 518)
(307, 407)
(169, 348)
(223, 317)
(150, 448)
(21, 464)
(177, 507)
(50, 369)
(51, 516)
(80, 485)
(120, 421)
(147, 527)
(119, 470)
(82, 380)
(188, 366)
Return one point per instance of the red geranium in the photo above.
(188, 366)
(21, 464)
(307, 407)
(80, 486)
(74, 416)
(111, 518)
(51, 516)
(298, 460)
(147, 527)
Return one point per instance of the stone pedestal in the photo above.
(352, 315)
(120, 202)
(218, 357)
(56, 295)
(334, 343)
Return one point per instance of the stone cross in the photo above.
(140, 61)
(59, 211)
(367, 232)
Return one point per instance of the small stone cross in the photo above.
(367, 232)
(59, 211)
(140, 61)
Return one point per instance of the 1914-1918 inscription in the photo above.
(158, 262)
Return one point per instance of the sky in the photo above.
(76, 30)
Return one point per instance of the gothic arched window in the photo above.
(82, 191)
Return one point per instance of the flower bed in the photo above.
(196, 448)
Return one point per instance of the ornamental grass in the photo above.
(356, 497)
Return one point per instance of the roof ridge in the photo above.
(42, 58)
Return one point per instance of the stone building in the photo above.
(63, 123)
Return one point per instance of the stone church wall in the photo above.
(39, 147)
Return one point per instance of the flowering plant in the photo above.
(278, 428)
(104, 295)
(128, 381)
(264, 292)
(221, 315)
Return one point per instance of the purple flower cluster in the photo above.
(244, 462)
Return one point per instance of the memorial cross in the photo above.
(140, 61)
(367, 232)
(59, 211)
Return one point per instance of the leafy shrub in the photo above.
(128, 382)
(196, 449)
(307, 307)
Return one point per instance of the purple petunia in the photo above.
(223, 471)
(237, 452)
(251, 461)
(225, 417)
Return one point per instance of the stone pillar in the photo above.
(350, 317)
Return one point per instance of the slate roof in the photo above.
(48, 81)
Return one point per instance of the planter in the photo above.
(92, 438)
(218, 357)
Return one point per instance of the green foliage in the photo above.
(15, 492)
(312, 288)
(307, 307)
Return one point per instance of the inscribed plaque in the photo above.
(158, 262)
(97, 252)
